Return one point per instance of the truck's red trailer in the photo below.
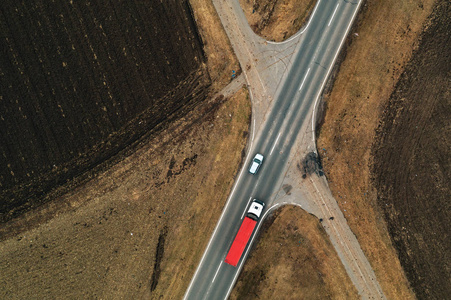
(240, 242)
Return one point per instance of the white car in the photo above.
(256, 163)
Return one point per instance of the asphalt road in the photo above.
(287, 119)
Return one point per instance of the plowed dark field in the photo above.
(412, 162)
(80, 81)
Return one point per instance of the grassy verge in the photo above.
(190, 236)
(293, 259)
(277, 20)
(220, 57)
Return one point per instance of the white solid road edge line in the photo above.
(253, 130)
(338, 4)
(217, 271)
(274, 144)
(328, 71)
(247, 205)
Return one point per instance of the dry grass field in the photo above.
(277, 20)
(220, 57)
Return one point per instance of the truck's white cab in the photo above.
(256, 209)
(256, 163)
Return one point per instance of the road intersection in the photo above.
(285, 81)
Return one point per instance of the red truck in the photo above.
(244, 233)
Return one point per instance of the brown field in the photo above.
(82, 82)
(277, 20)
(412, 162)
(293, 259)
(138, 229)
(388, 33)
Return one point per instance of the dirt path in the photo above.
(344, 240)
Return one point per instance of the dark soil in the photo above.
(82, 81)
(311, 164)
(412, 154)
